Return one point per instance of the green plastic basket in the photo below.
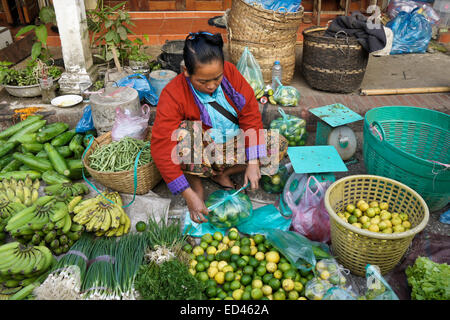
(410, 145)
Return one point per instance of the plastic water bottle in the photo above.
(276, 73)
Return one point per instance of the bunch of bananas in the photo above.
(22, 265)
(105, 218)
(259, 93)
(47, 222)
(67, 189)
(7, 210)
(21, 191)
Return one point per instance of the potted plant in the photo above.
(138, 60)
(24, 82)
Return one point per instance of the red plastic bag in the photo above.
(310, 217)
(128, 125)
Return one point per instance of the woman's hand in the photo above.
(196, 206)
(252, 174)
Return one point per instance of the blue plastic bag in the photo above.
(261, 218)
(412, 32)
(86, 122)
(141, 84)
(277, 5)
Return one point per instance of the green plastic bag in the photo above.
(291, 127)
(299, 250)
(377, 286)
(250, 70)
(286, 96)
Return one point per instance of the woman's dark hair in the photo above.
(202, 47)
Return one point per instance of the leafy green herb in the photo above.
(169, 281)
(429, 280)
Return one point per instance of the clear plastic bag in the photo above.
(250, 70)
(377, 286)
(128, 125)
(337, 293)
(286, 96)
(291, 127)
(331, 271)
(412, 32)
(310, 217)
(228, 208)
(275, 183)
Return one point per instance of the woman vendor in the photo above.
(210, 100)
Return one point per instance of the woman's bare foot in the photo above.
(223, 180)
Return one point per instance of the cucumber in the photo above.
(33, 147)
(53, 177)
(50, 131)
(42, 154)
(5, 160)
(19, 126)
(76, 146)
(36, 163)
(63, 139)
(6, 147)
(76, 167)
(25, 291)
(28, 138)
(35, 126)
(57, 160)
(64, 151)
(24, 167)
(14, 165)
(20, 175)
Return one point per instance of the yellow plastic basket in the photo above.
(354, 247)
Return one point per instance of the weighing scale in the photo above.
(332, 128)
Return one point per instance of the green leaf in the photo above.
(41, 33)
(47, 15)
(36, 50)
(110, 35)
(109, 23)
(118, 6)
(25, 30)
(122, 33)
(109, 56)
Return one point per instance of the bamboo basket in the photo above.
(269, 35)
(354, 247)
(148, 175)
(334, 64)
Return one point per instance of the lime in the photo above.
(257, 283)
(211, 250)
(261, 247)
(211, 292)
(204, 245)
(234, 285)
(266, 278)
(293, 295)
(226, 286)
(234, 257)
(256, 294)
(267, 290)
(220, 277)
(279, 295)
(187, 248)
(278, 274)
(198, 251)
(245, 250)
(241, 263)
(141, 226)
(246, 279)
(246, 295)
(261, 271)
(247, 270)
(289, 274)
(202, 276)
(284, 266)
(275, 284)
(248, 288)
(272, 256)
(233, 265)
(253, 262)
(229, 276)
(263, 263)
(245, 242)
(201, 258)
(218, 236)
(233, 235)
(258, 238)
(208, 238)
(222, 295)
(352, 219)
(237, 294)
(214, 243)
(226, 255)
(298, 286)
(210, 257)
(211, 283)
(199, 267)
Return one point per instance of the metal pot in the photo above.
(23, 91)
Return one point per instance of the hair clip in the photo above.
(193, 35)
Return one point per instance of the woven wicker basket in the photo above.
(334, 64)
(269, 35)
(148, 175)
(354, 247)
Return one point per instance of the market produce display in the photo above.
(291, 127)
(120, 155)
(428, 280)
(228, 208)
(276, 182)
(103, 217)
(375, 216)
(286, 96)
(236, 267)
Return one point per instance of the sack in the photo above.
(250, 70)
(310, 217)
(128, 125)
(412, 32)
(228, 208)
(291, 127)
(286, 96)
(86, 123)
(141, 84)
(275, 183)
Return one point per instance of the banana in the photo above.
(49, 237)
(8, 248)
(59, 211)
(17, 207)
(122, 215)
(36, 184)
(76, 227)
(115, 217)
(74, 235)
(40, 261)
(74, 202)
(34, 195)
(48, 256)
(84, 216)
(100, 233)
(31, 263)
(93, 221)
(10, 194)
(26, 195)
(20, 194)
(28, 182)
(13, 184)
(21, 262)
(111, 232)
(42, 201)
(106, 222)
(120, 231)
(60, 223)
(11, 283)
(127, 224)
(67, 224)
(5, 183)
(27, 281)
(84, 204)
